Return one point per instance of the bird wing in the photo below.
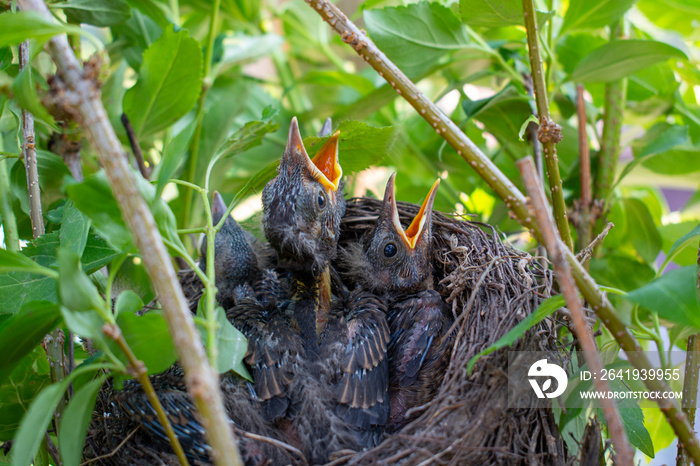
(181, 413)
(274, 352)
(355, 340)
(417, 324)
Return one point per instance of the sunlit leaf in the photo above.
(673, 296)
(621, 58)
(593, 14)
(170, 80)
(101, 13)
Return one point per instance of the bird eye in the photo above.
(321, 199)
(390, 250)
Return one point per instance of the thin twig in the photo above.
(82, 96)
(51, 448)
(586, 253)
(113, 332)
(278, 444)
(512, 197)
(135, 147)
(554, 245)
(584, 217)
(53, 342)
(29, 152)
(113, 452)
(549, 133)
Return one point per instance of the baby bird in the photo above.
(345, 342)
(396, 264)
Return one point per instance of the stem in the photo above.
(83, 98)
(553, 242)
(549, 132)
(29, 151)
(690, 390)
(53, 342)
(114, 332)
(513, 199)
(136, 147)
(615, 92)
(191, 172)
(584, 219)
(210, 286)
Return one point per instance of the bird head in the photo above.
(235, 261)
(303, 204)
(400, 259)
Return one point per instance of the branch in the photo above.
(690, 390)
(624, 454)
(584, 217)
(612, 127)
(549, 133)
(513, 199)
(29, 152)
(83, 96)
(135, 147)
(53, 342)
(114, 333)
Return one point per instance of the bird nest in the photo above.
(490, 287)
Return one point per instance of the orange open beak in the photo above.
(413, 232)
(328, 169)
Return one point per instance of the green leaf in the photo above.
(361, 145)
(174, 156)
(75, 289)
(20, 334)
(5, 58)
(240, 48)
(100, 13)
(593, 14)
(633, 420)
(496, 13)
(87, 324)
(28, 378)
(673, 296)
(149, 339)
(621, 272)
(416, 36)
(249, 136)
(678, 161)
(75, 227)
(97, 254)
(17, 27)
(572, 48)
(95, 199)
(620, 58)
(686, 240)
(28, 99)
(76, 419)
(666, 137)
(170, 80)
(642, 230)
(128, 301)
(232, 346)
(34, 423)
(16, 262)
(544, 310)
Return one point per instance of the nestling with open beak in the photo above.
(345, 342)
(397, 264)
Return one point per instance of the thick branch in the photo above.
(202, 382)
(555, 247)
(549, 133)
(690, 390)
(513, 198)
